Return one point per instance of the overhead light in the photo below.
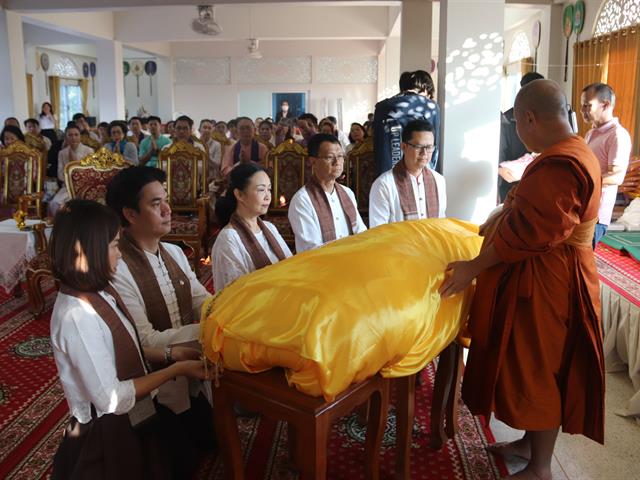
(253, 50)
(206, 22)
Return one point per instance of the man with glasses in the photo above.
(410, 190)
(246, 149)
(323, 210)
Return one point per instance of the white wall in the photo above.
(148, 91)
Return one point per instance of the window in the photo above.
(65, 67)
(520, 47)
(70, 100)
(615, 15)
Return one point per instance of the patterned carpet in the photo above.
(619, 271)
(33, 414)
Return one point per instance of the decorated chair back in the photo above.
(223, 141)
(361, 172)
(186, 169)
(631, 185)
(88, 178)
(36, 142)
(22, 172)
(289, 170)
(90, 142)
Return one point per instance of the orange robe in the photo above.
(536, 356)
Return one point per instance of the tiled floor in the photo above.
(578, 458)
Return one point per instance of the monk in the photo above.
(536, 355)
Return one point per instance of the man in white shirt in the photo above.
(213, 148)
(410, 190)
(610, 143)
(75, 150)
(158, 286)
(323, 210)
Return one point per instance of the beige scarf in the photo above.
(258, 256)
(145, 278)
(321, 205)
(402, 180)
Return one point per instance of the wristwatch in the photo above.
(167, 354)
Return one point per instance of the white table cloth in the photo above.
(16, 249)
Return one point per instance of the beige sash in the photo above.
(256, 252)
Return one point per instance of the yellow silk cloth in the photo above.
(341, 313)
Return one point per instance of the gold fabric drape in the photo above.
(613, 59)
(54, 94)
(526, 66)
(30, 94)
(84, 87)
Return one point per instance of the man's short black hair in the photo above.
(103, 125)
(405, 81)
(530, 77)
(419, 80)
(135, 118)
(125, 189)
(232, 123)
(415, 126)
(184, 118)
(78, 116)
(31, 120)
(151, 118)
(309, 116)
(240, 119)
(317, 140)
(205, 120)
(603, 92)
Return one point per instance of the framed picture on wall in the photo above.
(296, 105)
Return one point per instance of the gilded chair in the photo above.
(37, 142)
(223, 141)
(361, 173)
(22, 176)
(186, 169)
(89, 141)
(88, 178)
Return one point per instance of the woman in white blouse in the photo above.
(246, 243)
(116, 426)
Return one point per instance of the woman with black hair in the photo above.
(246, 243)
(120, 144)
(11, 134)
(117, 430)
(357, 134)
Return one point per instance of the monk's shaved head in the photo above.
(544, 98)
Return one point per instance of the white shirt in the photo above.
(230, 259)
(215, 157)
(64, 157)
(46, 123)
(306, 226)
(128, 289)
(83, 350)
(384, 200)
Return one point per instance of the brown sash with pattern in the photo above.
(142, 272)
(402, 180)
(258, 256)
(321, 205)
(128, 362)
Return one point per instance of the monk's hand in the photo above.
(185, 353)
(458, 276)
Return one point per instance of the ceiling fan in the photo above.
(206, 22)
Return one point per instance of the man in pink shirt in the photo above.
(610, 143)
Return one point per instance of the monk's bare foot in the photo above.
(518, 448)
(529, 473)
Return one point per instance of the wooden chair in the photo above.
(88, 178)
(361, 173)
(37, 142)
(309, 418)
(186, 169)
(38, 268)
(91, 142)
(22, 175)
(289, 170)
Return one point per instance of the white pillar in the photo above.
(13, 80)
(110, 80)
(415, 39)
(469, 73)
(165, 89)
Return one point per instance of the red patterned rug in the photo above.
(33, 414)
(619, 271)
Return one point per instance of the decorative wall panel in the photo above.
(617, 14)
(346, 69)
(273, 70)
(203, 71)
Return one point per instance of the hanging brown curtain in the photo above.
(84, 87)
(526, 65)
(613, 59)
(30, 94)
(622, 75)
(54, 94)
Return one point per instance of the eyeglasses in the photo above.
(422, 148)
(332, 158)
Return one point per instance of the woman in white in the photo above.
(115, 426)
(246, 243)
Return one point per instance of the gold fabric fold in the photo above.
(340, 313)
